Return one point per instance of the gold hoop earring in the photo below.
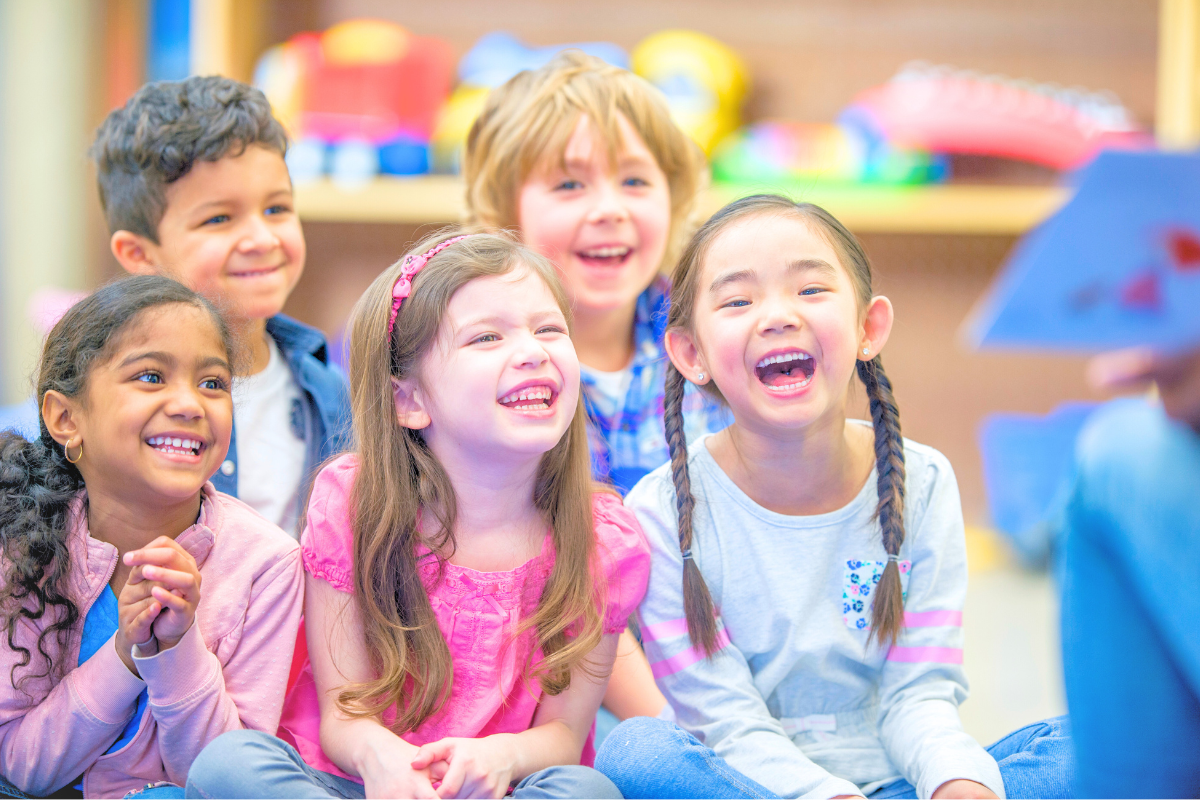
(67, 451)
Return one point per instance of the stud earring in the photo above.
(699, 377)
(866, 351)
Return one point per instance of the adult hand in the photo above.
(473, 767)
(174, 583)
(1177, 377)
(952, 790)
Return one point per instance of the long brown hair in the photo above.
(532, 117)
(887, 613)
(400, 481)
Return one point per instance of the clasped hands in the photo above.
(157, 605)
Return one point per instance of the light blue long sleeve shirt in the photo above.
(795, 699)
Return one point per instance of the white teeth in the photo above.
(532, 393)
(606, 252)
(779, 359)
(173, 443)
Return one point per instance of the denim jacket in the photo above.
(322, 418)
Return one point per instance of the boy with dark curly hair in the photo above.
(194, 186)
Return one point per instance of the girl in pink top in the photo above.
(466, 582)
(142, 612)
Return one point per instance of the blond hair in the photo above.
(400, 482)
(531, 118)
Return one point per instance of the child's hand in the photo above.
(136, 611)
(473, 767)
(173, 583)
(387, 774)
(953, 790)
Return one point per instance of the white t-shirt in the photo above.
(608, 389)
(270, 448)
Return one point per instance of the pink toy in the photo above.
(942, 110)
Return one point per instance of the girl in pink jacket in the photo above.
(142, 613)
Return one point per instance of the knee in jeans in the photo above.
(224, 760)
(631, 740)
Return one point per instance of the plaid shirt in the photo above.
(631, 443)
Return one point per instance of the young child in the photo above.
(194, 186)
(583, 160)
(808, 571)
(466, 581)
(144, 613)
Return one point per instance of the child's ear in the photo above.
(135, 253)
(686, 356)
(59, 414)
(876, 327)
(410, 409)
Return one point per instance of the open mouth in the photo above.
(176, 445)
(529, 398)
(256, 273)
(783, 371)
(607, 256)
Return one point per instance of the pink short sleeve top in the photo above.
(476, 613)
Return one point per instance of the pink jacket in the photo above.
(229, 671)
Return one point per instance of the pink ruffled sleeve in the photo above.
(327, 543)
(624, 558)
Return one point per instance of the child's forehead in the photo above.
(581, 141)
(254, 169)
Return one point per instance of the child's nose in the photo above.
(531, 353)
(257, 236)
(184, 402)
(610, 204)
(778, 316)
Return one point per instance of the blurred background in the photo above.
(938, 130)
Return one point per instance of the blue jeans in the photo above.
(648, 757)
(255, 764)
(167, 790)
(1130, 610)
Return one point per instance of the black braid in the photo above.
(887, 615)
(697, 601)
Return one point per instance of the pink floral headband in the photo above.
(402, 288)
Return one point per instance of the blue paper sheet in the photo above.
(1117, 266)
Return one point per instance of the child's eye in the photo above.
(736, 304)
(551, 329)
(213, 384)
(217, 220)
(811, 290)
(148, 377)
(569, 185)
(639, 182)
(485, 338)
(278, 209)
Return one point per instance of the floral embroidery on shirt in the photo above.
(858, 587)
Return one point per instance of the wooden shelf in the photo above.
(953, 208)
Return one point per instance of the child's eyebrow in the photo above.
(151, 355)
(213, 361)
(731, 277)
(814, 265)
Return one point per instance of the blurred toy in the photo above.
(774, 152)
(362, 84)
(1118, 266)
(494, 59)
(704, 80)
(943, 110)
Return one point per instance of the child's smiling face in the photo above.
(604, 225)
(156, 417)
(502, 378)
(778, 325)
(230, 232)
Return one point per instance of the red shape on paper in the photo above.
(1143, 293)
(1185, 250)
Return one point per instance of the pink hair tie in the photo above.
(402, 288)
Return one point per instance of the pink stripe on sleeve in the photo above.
(681, 661)
(665, 630)
(932, 619)
(920, 655)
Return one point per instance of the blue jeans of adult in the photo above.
(648, 757)
(253, 764)
(1131, 604)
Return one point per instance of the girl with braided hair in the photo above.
(808, 571)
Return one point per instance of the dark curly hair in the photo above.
(165, 128)
(37, 483)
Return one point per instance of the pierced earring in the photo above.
(866, 351)
(699, 377)
(67, 451)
